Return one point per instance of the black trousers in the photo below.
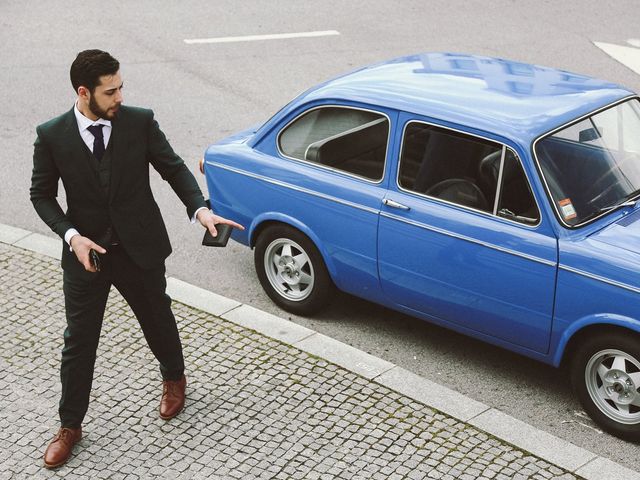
(85, 295)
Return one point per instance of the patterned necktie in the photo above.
(98, 140)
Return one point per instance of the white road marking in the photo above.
(634, 42)
(628, 56)
(253, 38)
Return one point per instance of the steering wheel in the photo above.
(459, 191)
(595, 187)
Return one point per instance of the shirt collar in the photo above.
(84, 122)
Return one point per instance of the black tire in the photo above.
(605, 374)
(301, 284)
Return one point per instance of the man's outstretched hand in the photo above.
(209, 221)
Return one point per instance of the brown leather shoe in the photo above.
(173, 396)
(59, 450)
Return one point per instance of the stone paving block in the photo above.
(256, 407)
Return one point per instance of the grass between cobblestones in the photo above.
(256, 408)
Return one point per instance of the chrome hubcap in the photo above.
(613, 382)
(289, 269)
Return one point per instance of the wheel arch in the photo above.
(573, 336)
(266, 220)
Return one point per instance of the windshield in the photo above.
(593, 166)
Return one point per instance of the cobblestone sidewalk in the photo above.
(256, 408)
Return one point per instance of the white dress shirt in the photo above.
(84, 123)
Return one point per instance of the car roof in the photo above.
(512, 99)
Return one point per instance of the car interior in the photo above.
(464, 170)
(441, 163)
(587, 174)
(360, 150)
(347, 139)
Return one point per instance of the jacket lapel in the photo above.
(117, 146)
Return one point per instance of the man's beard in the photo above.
(98, 112)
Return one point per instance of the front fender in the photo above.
(600, 319)
(259, 220)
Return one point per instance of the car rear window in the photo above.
(342, 138)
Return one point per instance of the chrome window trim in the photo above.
(293, 187)
(469, 239)
(499, 186)
(489, 214)
(337, 170)
(539, 167)
(599, 278)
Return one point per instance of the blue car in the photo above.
(492, 197)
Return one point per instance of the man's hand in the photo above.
(81, 246)
(209, 221)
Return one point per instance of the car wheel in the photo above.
(605, 374)
(291, 270)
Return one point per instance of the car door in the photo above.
(454, 247)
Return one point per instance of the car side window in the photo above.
(466, 171)
(347, 139)
(515, 199)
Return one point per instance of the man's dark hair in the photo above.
(89, 66)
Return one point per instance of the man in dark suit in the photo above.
(113, 231)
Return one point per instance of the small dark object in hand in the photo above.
(220, 240)
(95, 259)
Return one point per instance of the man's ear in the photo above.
(83, 92)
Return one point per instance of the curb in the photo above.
(506, 428)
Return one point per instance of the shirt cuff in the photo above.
(67, 236)
(195, 215)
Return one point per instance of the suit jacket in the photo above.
(136, 141)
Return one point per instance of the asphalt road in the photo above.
(202, 92)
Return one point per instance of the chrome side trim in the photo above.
(293, 187)
(469, 239)
(599, 278)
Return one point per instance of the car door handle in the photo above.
(392, 204)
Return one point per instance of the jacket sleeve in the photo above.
(44, 188)
(173, 169)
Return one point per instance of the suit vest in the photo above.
(102, 170)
